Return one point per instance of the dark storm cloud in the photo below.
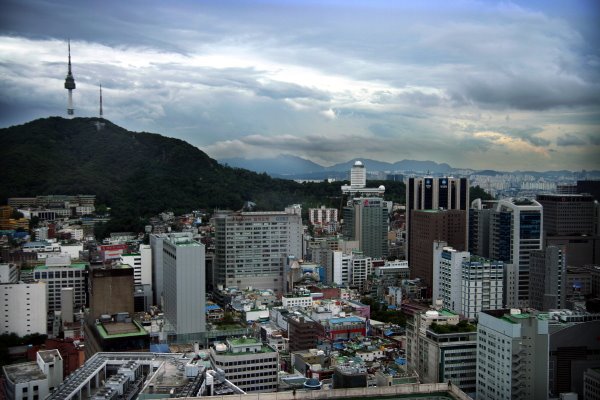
(528, 93)
(570, 139)
(331, 80)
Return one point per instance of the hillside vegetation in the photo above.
(139, 174)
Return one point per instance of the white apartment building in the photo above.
(342, 270)
(512, 355)
(183, 283)
(23, 308)
(447, 272)
(60, 273)
(362, 267)
(351, 270)
(322, 216)
(247, 363)
(251, 248)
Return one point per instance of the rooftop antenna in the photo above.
(100, 123)
(70, 84)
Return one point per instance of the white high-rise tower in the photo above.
(358, 175)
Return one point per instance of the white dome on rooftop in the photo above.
(381, 187)
(358, 163)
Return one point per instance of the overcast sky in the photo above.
(480, 84)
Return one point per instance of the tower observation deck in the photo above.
(70, 85)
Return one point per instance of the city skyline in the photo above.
(499, 85)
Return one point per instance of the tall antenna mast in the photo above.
(70, 84)
(101, 114)
(100, 123)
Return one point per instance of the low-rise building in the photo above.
(442, 349)
(247, 363)
(34, 380)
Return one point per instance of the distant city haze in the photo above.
(483, 85)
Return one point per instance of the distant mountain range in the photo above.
(293, 167)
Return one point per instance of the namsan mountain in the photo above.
(139, 174)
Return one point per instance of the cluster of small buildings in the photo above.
(487, 288)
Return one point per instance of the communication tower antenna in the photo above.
(100, 123)
(70, 84)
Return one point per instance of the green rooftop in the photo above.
(120, 330)
(446, 313)
(73, 266)
(241, 341)
(521, 316)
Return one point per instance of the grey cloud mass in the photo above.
(471, 83)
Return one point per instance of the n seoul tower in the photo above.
(70, 85)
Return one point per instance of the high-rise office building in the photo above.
(482, 286)
(156, 246)
(547, 272)
(184, 285)
(428, 226)
(589, 187)
(251, 248)
(574, 347)
(570, 222)
(430, 193)
(366, 220)
(479, 227)
(515, 231)
(512, 355)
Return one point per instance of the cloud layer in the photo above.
(474, 84)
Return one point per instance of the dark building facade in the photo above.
(303, 333)
(430, 193)
(570, 221)
(590, 187)
(111, 291)
(574, 347)
(366, 220)
(547, 279)
(431, 225)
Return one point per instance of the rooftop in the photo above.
(73, 266)
(49, 355)
(25, 372)
(344, 320)
(120, 329)
(447, 313)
